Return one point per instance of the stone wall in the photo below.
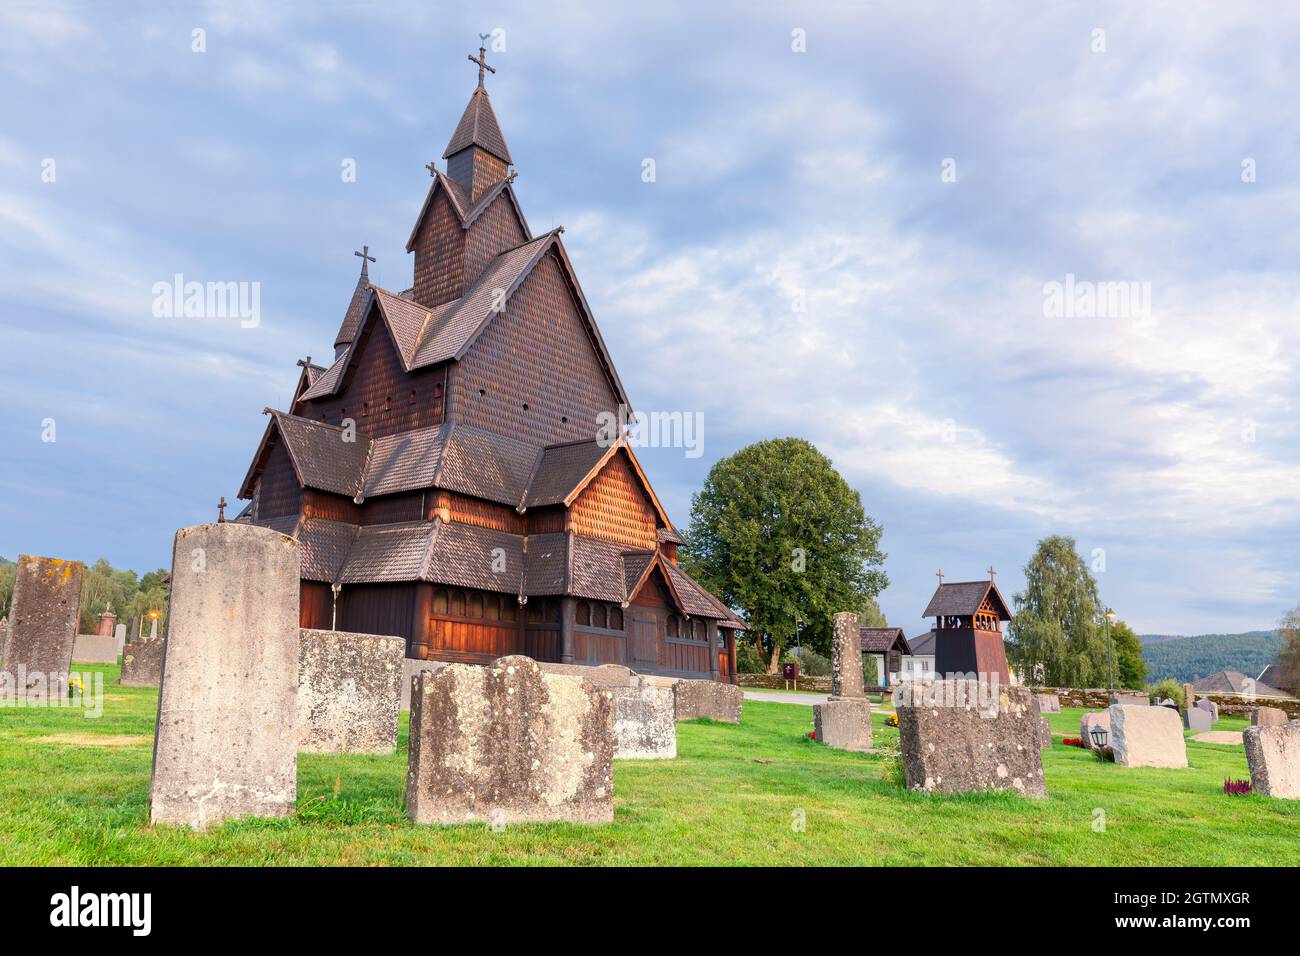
(1095, 698)
(95, 649)
(821, 685)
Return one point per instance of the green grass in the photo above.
(730, 798)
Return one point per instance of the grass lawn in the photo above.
(75, 791)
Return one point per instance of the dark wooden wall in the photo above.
(537, 353)
(278, 491)
(380, 397)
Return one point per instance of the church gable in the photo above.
(616, 506)
(498, 228)
(439, 246)
(377, 393)
(534, 371)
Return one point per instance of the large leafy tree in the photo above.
(1130, 666)
(777, 532)
(1058, 624)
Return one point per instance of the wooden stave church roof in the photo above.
(458, 457)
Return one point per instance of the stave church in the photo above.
(444, 476)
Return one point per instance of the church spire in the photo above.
(352, 320)
(477, 155)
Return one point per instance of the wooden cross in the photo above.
(366, 259)
(432, 168)
(940, 573)
(992, 574)
(481, 60)
(221, 510)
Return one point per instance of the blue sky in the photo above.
(924, 360)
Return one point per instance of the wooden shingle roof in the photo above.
(965, 597)
(882, 640)
(1235, 682)
(478, 126)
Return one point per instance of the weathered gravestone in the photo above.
(1197, 719)
(958, 736)
(509, 744)
(410, 668)
(225, 743)
(119, 637)
(707, 698)
(37, 652)
(1096, 718)
(1267, 717)
(1209, 707)
(844, 721)
(1045, 733)
(1147, 737)
(349, 690)
(645, 723)
(1129, 699)
(1048, 703)
(95, 649)
(142, 663)
(1273, 755)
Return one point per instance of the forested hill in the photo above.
(1191, 658)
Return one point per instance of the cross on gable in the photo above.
(481, 59)
(366, 259)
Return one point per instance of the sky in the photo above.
(1017, 268)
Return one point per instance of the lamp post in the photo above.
(1110, 657)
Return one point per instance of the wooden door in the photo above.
(643, 651)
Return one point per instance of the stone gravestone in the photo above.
(707, 698)
(349, 691)
(119, 637)
(95, 649)
(509, 743)
(1273, 755)
(1129, 699)
(43, 619)
(142, 663)
(1267, 717)
(1147, 737)
(957, 737)
(225, 744)
(645, 720)
(1197, 719)
(1096, 718)
(844, 721)
(1209, 706)
(1045, 733)
(1048, 703)
(153, 629)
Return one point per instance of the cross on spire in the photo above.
(992, 574)
(940, 574)
(221, 510)
(366, 259)
(481, 59)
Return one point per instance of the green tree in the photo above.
(7, 571)
(777, 532)
(1058, 620)
(1130, 666)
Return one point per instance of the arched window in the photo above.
(440, 601)
(457, 604)
(552, 610)
(533, 610)
(672, 625)
(599, 616)
(616, 619)
(475, 605)
(509, 609)
(492, 607)
(582, 614)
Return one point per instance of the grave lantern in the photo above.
(1100, 737)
